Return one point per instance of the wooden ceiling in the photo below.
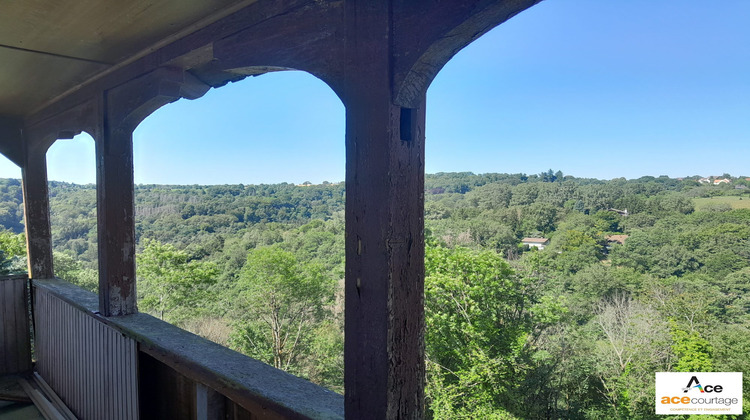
(61, 59)
(48, 47)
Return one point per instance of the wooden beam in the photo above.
(384, 347)
(11, 139)
(307, 37)
(82, 117)
(428, 33)
(36, 214)
(170, 51)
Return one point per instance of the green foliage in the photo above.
(607, 221)
(12, 253)
(170, 284)
(539, 217)
(575, 250)
(71, 270)
(478, 320)
(572, 331)
(279, 306)
(693, 351)
(734, 303)
(323, 361)
(598, 282)
(632, 342)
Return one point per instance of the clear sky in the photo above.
(594, 88)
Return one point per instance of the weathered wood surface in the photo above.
(11, 139)
(15, 346)
(209, 404)
(121, 110)
(115, 210)
(179, 51)
(164, 393)
(83, 117)
(91, 366)
(379, 57)
(45, 400)
(37, 215)
(11, 390)
(384, 358)
(256, 387)
(50, 394)
(427, 33)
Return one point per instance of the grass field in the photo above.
(735, 202)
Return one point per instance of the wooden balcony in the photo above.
(137, 366)
(379, 57)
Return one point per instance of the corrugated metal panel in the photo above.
(15, 348)
(92, 367)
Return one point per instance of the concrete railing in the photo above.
(137, 366)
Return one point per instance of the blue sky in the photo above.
(594, 88)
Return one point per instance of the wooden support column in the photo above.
(36, 214)
(384, 358)
(115, 198)
(121, 110)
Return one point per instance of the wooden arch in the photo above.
(379, 57)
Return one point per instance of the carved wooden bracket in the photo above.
(444, 28)
(130, 103)
(81, 118)
(124, 107)
(11, 139)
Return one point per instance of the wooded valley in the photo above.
(638, 276)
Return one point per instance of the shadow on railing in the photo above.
(15, 346)
(138, 366)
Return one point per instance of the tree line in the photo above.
(638, 276)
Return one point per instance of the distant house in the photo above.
(623, 213)
(704, 181)
(722, 181)
(539, 243)
(614, 239)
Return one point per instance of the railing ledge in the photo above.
(248, 382)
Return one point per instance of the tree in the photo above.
(169, 283)
(598, 281)
(279, 303)
(576, 250)
(477, 320)
(692, 350)
(633, 343)
(71, 270)
(539, 217)
(735, 302)
(12, 253)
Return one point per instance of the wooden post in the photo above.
(384, 358)
(36, 214)
(122, 109)
(115, 198)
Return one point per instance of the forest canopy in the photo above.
(634, 277)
